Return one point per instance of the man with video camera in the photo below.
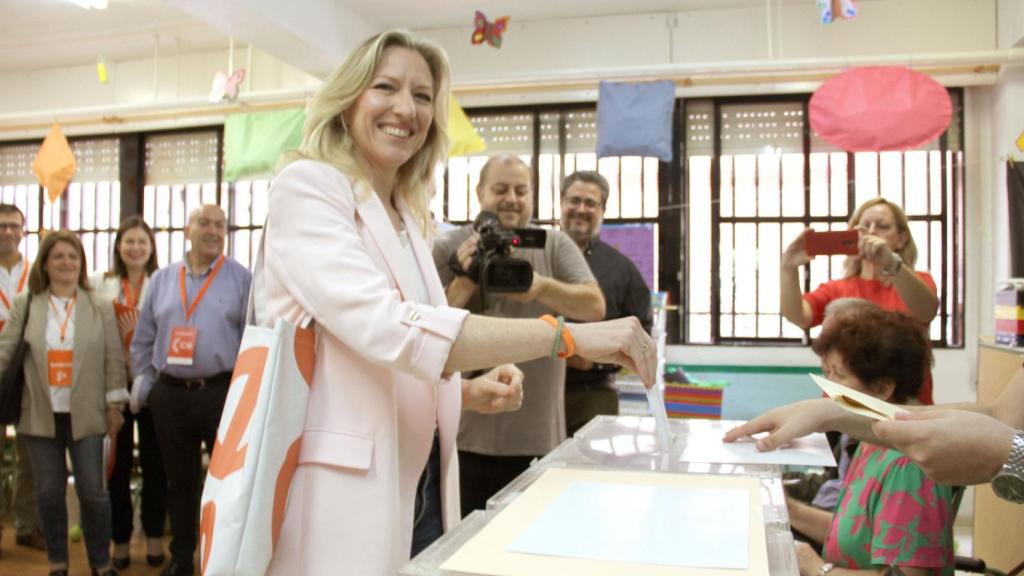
(483, 268)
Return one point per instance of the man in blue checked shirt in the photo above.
(183, 353)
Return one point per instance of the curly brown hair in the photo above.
(877, 346)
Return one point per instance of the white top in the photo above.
(57, 311)
(110, 288)
(410, 263)
(10, 281)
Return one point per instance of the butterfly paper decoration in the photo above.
(489, 32)
(226, 87)
(833, 9)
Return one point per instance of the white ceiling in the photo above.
(38, 34)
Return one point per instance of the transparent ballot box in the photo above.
(625, 443)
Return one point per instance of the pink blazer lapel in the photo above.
(390, 250)
(425, 259)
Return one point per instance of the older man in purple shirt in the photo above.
(183, 352)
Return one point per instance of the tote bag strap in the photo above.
(257, 290)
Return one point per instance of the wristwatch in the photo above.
(892, 270)
(825, 568)
(1008, 483)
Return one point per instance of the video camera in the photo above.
(493, 267)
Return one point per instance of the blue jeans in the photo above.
(50, 466)
(428, 523)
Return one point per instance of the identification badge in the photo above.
(183, 345)
(59, 365)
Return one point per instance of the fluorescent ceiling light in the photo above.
(91, 4)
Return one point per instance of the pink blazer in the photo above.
(332, 254)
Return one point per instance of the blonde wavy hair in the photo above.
(326, 138)
(908, 253)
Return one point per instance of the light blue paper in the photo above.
(635, 119)
(662, 525)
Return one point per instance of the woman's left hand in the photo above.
(115, 420)
(875, 250)
(500, 390)
(808, 560)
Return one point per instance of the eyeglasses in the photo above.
(10, 227)
(577, 201)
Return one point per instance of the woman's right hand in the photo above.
(623, 342)
(787, 423)
(795, 254)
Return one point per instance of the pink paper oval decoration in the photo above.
(879, 108)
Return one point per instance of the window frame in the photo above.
(950, 244)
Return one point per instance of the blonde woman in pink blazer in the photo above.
(347, 245)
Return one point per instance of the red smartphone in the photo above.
(833, 242)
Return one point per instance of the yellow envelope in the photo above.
(857, 402)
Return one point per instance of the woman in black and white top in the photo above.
(125, 284)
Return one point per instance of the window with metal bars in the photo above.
(756, 175)
(90, 206)
(182, 169)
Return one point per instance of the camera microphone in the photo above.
(485, 218)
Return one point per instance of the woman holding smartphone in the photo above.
(881, 272)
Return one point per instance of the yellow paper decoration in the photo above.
(101, 71)
(1020, 142)
(54, 164)
(463, 137)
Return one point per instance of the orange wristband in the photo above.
(565, 335)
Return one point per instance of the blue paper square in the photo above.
(635, 119)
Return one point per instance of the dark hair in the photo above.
(130, 223)
(12, 209)
(38, 279)
(588, 177)
(878, 345)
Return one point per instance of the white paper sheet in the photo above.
(662, 429)
(811, 450)
(694, 527)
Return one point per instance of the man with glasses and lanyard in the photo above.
(186, 340)
(13, 276)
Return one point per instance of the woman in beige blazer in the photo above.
(347, 245)
(74, 393)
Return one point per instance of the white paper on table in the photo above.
(662, 429)
(488, 551)
(694, 527)
(857, 402)
(707, 446)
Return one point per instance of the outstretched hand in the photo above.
(787, 423)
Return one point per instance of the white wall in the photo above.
(1010, 14)
(166, 82)
(567, 46)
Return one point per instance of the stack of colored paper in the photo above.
(1010, 316)
(689, 400)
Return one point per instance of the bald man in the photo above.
(183, 354)
(494, 449)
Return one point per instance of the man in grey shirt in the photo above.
(494, 449)
(183, 353)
